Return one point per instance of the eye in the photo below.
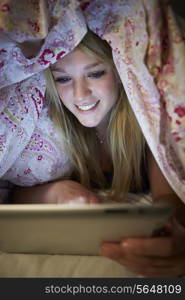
(97, 74)
(63, 80)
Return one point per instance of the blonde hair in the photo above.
(124, 137)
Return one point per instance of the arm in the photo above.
(161, 190)
(63, 191)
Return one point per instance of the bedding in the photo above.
(33, 265)
(151, 70)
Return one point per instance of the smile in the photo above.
(87, 107)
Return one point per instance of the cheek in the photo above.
(63, 93)
(111, 88)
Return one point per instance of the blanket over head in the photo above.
(148, 51)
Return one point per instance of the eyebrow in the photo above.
(90, 66)
(93, 65)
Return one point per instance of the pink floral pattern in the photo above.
(67, 27)
(42, 159)
(149, 53)
(180, 111)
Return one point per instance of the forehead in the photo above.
(77, 59)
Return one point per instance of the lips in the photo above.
(87, 107)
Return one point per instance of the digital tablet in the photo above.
(75, 229)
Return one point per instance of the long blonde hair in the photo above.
(124, 137)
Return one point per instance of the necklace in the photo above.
(100, 139)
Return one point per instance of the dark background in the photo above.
(179, 7)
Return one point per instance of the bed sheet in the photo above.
(66, 266)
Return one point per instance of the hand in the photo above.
(69, 191)
(151, 257)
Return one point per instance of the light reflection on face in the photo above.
(86, 86)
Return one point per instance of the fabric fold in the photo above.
(66, 29)
(20, 108)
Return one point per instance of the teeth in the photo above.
(86, 107)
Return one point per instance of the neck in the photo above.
(101, 129)
(101, 134)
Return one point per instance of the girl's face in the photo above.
(86, 86)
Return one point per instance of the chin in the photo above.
(90, 124)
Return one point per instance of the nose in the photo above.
(81, 90)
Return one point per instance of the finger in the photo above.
(76, 201)
(145, 266)
(111, 250)
(163, 272)
(83, 200)
(93, 199)
(115, 252)
(133, 263)
(147, 261)
(155, 266)
(158, 246)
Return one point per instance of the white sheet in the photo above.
(33, 265)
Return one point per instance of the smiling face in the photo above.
(86, 86)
